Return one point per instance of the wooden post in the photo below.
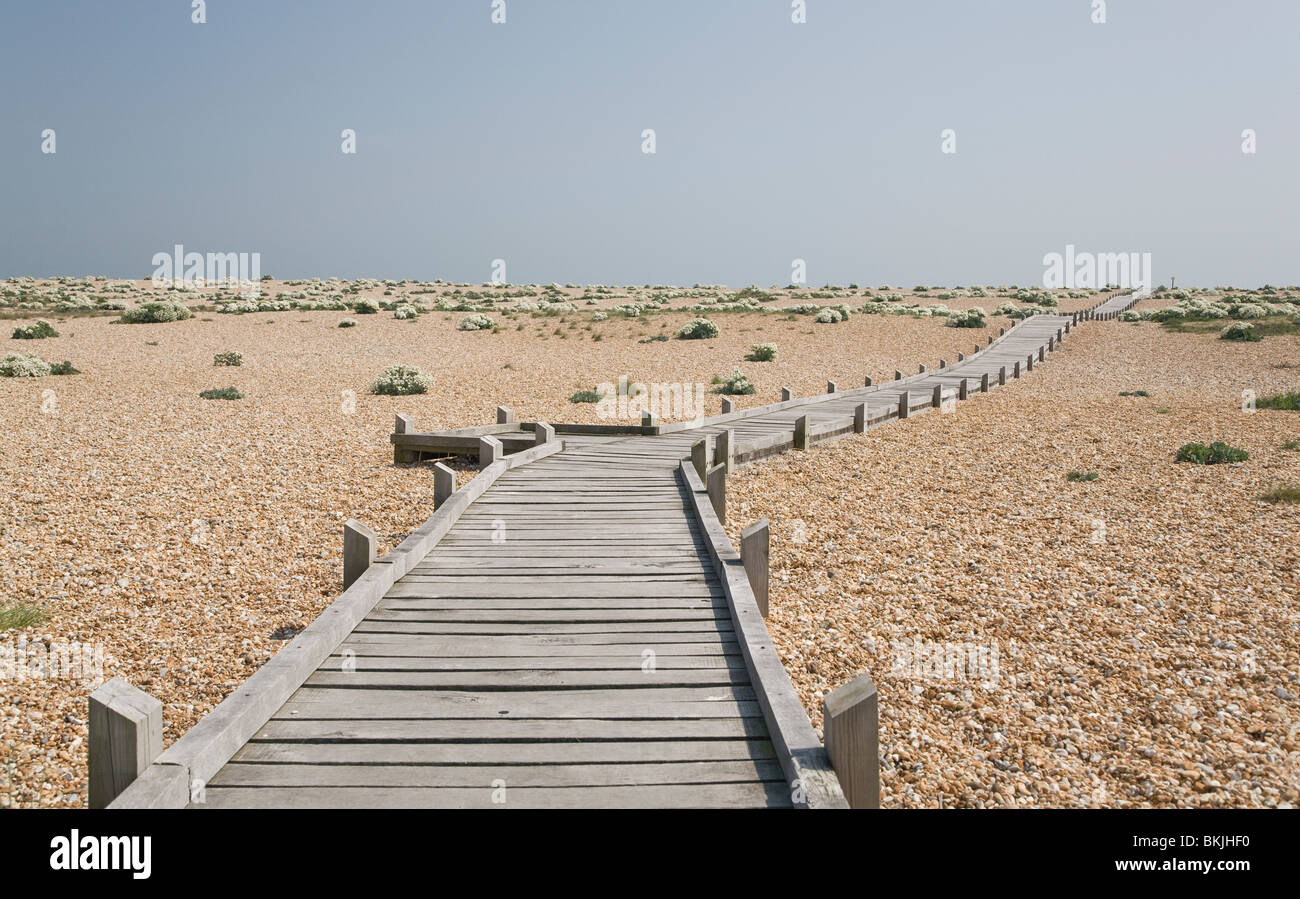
(922, 368)
(786, 394)
(727, 405)
(648, 419)
(801, 432)
(866, 382)
(990, 340)
(543, 433)
(1002, 376)
(898, 375)
(1041, 354)
(860, 418)
(700, 457)
(715, 482)
(1061, 333)
(976, 350)
(936, 400)
(722, 449)
(961, 357)
(753, 554)
(504, 416)
(1029, 366)
(360, 546)
(904, 404)
(1016, 370)
(943, 363)
(125, 730)
(444, 484)
(404, 425)
(851, 724)
(962, 389)
(984, 383)
(1002, 331)
(832, 387)
(489, 450)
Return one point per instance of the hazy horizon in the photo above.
(775, 141)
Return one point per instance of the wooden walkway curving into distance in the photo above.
(564, 632)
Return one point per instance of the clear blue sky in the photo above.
(775, 141)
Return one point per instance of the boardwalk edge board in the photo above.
(191, 761)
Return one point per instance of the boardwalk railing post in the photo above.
(962, 389)
(715, 482)
(403, 425)
(700, 457)
(990, 340)
(984, 383)
(489, 450)
(125, 737)
(860, 418)
(360, 547)
(832, 387)
(943, 363)
(898, 375)
(648, 419)
(1042, 354)
(753, 554)
(936, 400)
(504, 416)
(1002, 376)
(1002, 332)
(961, 357)
(1029, 363)
(786, 394)
(543, 433)
(851, 724)
(727, 405)
(801, 432)
(904, 404)
(722, 449)
(866, 382)
(922, 368)
(1016, 371)
(444, 484)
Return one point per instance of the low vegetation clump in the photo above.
(1282, 494)
(1082, 476)
(971, 318)
(476, 321)
(762, 352)
(63, 368)
(222, 393)
(348, 323)
(735, 384)
(155, 313)
(1289, 402)
(365, 307)
(23, 365)
(1214, 454)
(231, 358)
(1243, 331)
(698, 329)
(405, 311)
(401, 380)
(832, 315)
(19, 614)
(38, 330)
(1133, 393)
(1291, 445)
(585, 396)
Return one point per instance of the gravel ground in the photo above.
(189, 538)
(1145, 624)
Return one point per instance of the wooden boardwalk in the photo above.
(567, 642)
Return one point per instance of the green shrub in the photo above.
(231, 358)
(405, 311)
(401, 380)
(1287, 401)
(698, 329)
(585, 396)
(1243, 331)
(38, 330)
(1133, 393)
(348, 323)
(475, 322)
(1214, 454)
(155, 313)
(23, 365)
(735, 384)
(1291, 445)
(365, 307)
(19, 614)
(222, 393)
(971, 318)
(1082, 476)
(1282, 494)
(63, 368)
(762, 352)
